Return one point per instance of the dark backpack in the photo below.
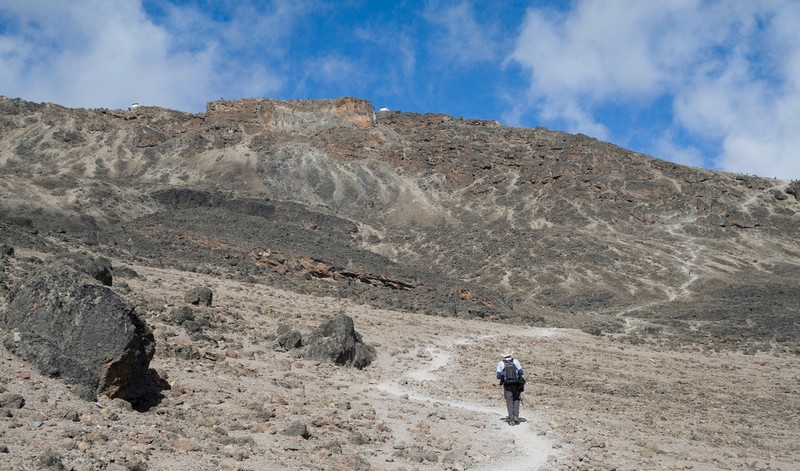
(510, 373)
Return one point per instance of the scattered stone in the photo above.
(91, 239)
(191, 326)
(297, 429)
(291, 339)
(453, 456)
(199, 296)
(180, 315)
(49, 460)
(356, 463)
(12, 401)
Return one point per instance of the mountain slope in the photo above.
(420, 212)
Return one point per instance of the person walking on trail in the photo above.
(509, 372)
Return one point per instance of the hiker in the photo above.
(509, 372)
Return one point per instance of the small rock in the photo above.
(12, 401)
(199, 296)
(356, 463)
(91, 239)
(180, 315)
(297, 429)
(290, 339)
(191, 326)
(50, 460)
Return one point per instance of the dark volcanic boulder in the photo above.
(290, 339)
(199, 296)
(180, 315)
(71, 327)
(338, 342)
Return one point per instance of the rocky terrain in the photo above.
(654, 306)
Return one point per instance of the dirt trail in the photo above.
(532, 449)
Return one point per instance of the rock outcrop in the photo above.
(337, 341)
(68, 326)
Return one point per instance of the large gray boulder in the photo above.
(337, 341)
(69, 326)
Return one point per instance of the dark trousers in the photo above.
(511, 393)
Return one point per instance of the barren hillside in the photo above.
(654, 305)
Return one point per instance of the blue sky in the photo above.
(712, 84)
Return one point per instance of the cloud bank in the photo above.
(94, 53)
(729, 73)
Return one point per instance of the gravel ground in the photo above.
(237, 401)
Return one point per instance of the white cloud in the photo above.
(731, 71)
(459, 36)
(93, 53)
(397, 50)
(666, 148)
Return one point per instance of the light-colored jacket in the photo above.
(501, 365)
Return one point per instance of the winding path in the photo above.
(533, 449)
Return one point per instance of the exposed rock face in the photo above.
(301, 117)
(337, 341)
(72, 328)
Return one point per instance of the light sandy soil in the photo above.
(429, 401)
